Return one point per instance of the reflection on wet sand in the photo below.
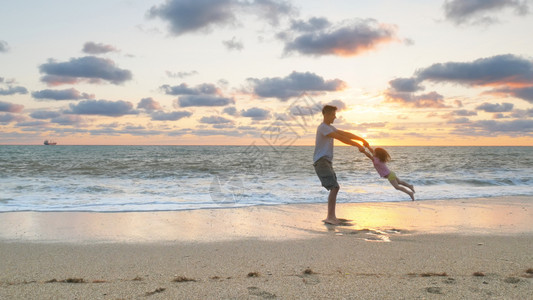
(368, 221)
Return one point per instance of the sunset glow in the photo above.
(152, 73)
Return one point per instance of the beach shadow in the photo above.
(328, 225)
(343, 222)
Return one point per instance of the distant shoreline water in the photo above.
(167, 178)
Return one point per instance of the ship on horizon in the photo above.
(50, 143)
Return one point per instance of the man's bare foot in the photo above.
(412, 194)
(332, 221)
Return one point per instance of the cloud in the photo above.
(101, 108)
(518, 128)
(193, 15)
(311, 108)
(409, 85)
(67, 120)
(318, 37)
(366, 126)
(203, 100)
(481, 11)
(37, 124)
(13, 90)
(522, 113)
(338, 103)
(215, 120)
(149, 104)
(495, 108)
(464, 113)
(210, 132)
(184, 89)
(311, 25)
(205, 94)
(233, 44)
(270, 10)
(187, 16)
(4, 47)
(232, 111)
(508, 74)
(94, 48)
(256, 113)
(8, 81)
(180, 74)
(67, 94)
(89, 68)
(294, 85)
(429, 100)
(44, 114)
(492, 71)
(462, 120)
(7, 118)
(298, 110)
(172, 116)
(515, 126)
(10, 107)
(524, 93)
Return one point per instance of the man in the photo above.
(323, 157)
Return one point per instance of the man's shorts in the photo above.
(324, 170)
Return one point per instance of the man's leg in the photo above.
(328, 178)
(332, 202)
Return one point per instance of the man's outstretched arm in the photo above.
(353, 137)
(336, 135)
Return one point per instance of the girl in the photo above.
(379, 158)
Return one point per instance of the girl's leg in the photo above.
(397, 186)
(406, 184)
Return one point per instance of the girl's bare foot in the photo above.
(412, 194)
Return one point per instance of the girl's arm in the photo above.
(371, 150)
(368, 155)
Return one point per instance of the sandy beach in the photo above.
(453, 249)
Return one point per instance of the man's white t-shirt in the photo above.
(324, 143)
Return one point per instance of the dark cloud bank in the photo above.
(508, 74)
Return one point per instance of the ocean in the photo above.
(168, 178)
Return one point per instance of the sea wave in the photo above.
(134, 178)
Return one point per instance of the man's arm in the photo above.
(353, 137)
(336, 135)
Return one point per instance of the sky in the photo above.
(257, 72)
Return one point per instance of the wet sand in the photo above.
(471, 248)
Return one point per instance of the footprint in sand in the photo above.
(511, 280)
(449, 280)
(309, 277)
(255, 291)
(434, 290)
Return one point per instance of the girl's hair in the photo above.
(382, 154)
